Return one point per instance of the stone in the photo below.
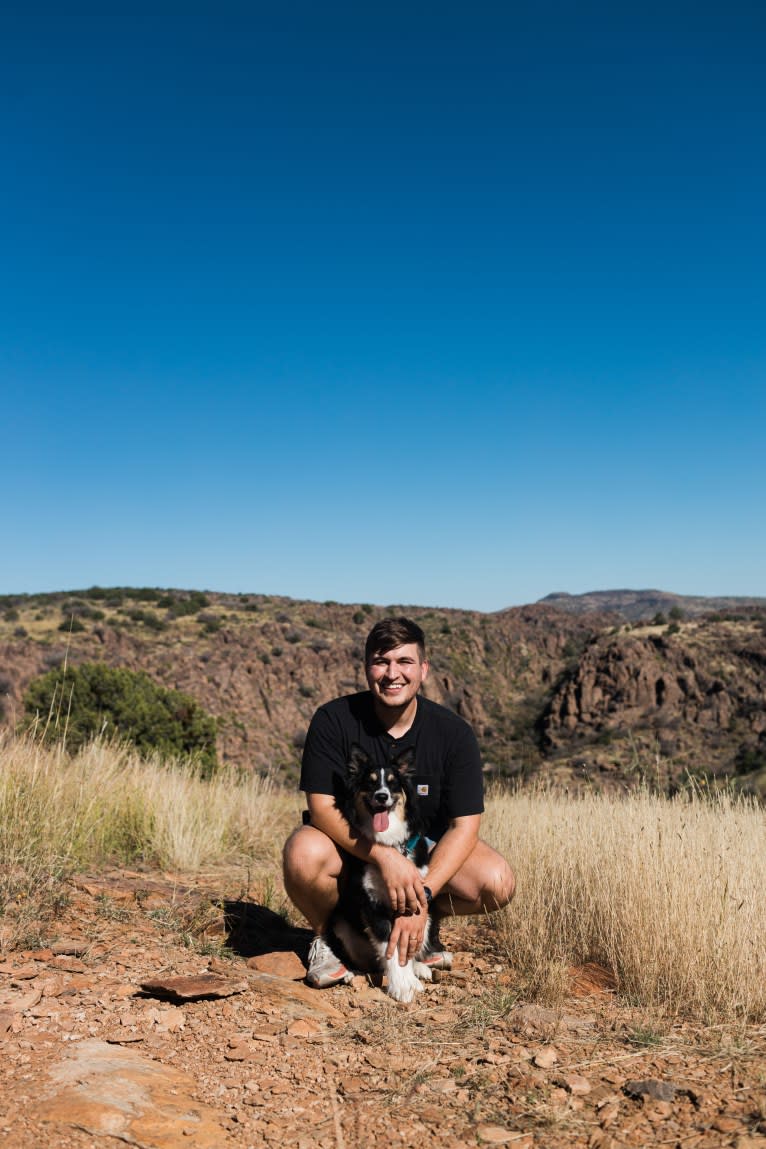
(280, 963)
(204, 985)
(495, 1134)
(68, 964)
(726, 1124)
(20, 1004)
(24, 972)
(576, 1084)
(290, 995)
(546, 1058)
(67, 947)
(109, 1091)
(304, 1027)
(650, 1087)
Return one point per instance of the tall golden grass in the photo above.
(106, 803)
(668, 895)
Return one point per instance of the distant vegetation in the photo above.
(83, 702)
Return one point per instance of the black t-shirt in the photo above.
(447, 774)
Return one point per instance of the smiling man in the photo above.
(465, 875)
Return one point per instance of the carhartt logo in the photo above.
(423, 790)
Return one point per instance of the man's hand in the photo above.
(402, 881)
(407, 936)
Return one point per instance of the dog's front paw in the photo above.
(402, 982)
(422, 971)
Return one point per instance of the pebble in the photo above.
(546, 1058)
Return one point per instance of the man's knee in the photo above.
(499, 886)
(309, 852)
(485, 881)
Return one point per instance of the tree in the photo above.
(93, 699)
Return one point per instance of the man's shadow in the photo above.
(252, 929)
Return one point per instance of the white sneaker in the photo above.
(325, 969)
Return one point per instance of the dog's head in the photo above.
(381, 798)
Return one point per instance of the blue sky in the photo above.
(411, 303)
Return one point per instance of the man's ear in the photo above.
(425, 667)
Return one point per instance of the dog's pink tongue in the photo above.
(380, 822)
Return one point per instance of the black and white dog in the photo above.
(380, 803)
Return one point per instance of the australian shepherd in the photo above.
(380, 804)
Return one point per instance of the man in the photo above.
(465, 875)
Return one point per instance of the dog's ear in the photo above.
(357, 762)
(405, 761)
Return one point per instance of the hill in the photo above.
(641, 605)
(570, 694)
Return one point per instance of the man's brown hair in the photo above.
(391, 632)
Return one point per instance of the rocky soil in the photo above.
(134, 1024)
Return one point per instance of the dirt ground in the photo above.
(163, 1014)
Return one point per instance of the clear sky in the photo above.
(428, 303)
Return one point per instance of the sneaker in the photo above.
(439, 959)
(436, 958)
(325, 969)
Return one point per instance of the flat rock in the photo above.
(281, 963)
(532, 1018)
(192, 988)
(69, 947)
(495, 1134)
(294, 998)
(115, 1092)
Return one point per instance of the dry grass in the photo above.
(60, 812)
(668, 895)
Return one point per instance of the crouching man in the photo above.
(465, 875)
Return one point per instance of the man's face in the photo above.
(395, 677)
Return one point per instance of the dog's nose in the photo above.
(381, 795)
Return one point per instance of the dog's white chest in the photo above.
(373, 883)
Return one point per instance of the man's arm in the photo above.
(452, 850)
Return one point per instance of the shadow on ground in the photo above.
(252, 929)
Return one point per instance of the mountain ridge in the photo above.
(638, 605)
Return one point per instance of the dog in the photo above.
(380, 803)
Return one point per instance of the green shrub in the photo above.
(94, 699)
(147, 617)
(178, 607)
(71, 625)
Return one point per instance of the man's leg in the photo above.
(483, 884)
(312, 866)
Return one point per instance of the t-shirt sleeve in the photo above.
(324, 757)
(463, 778)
